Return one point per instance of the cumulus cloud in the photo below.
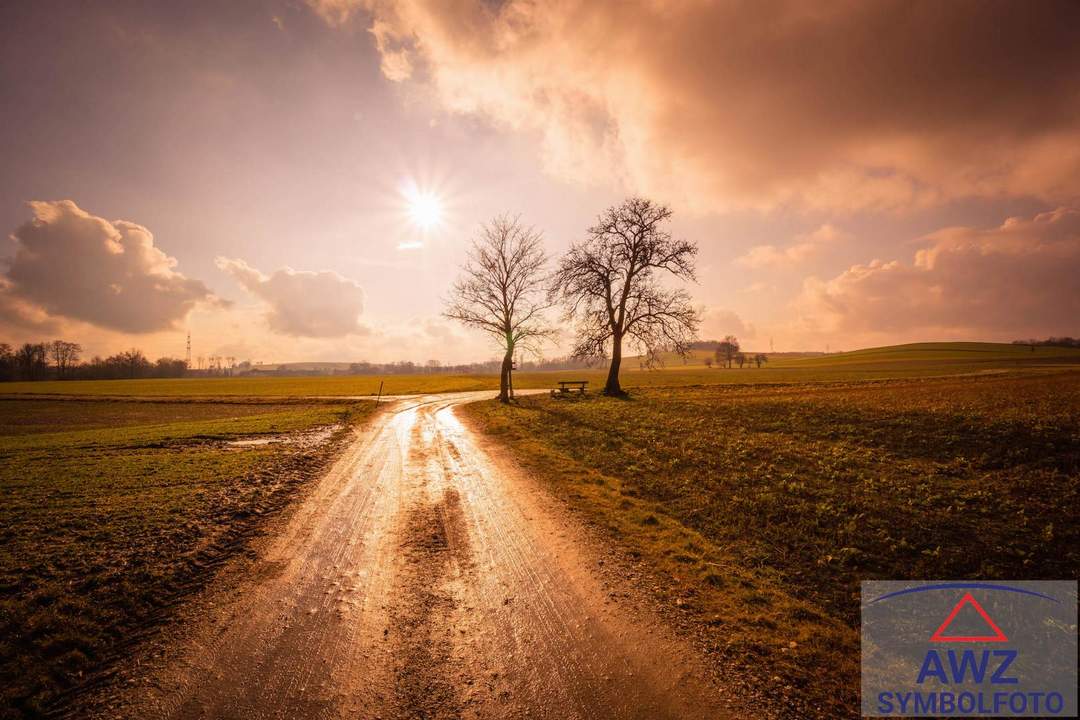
(1020, 278)
(303, 302)
(746, 103)
(70, 263)
(18, 316)
(805, 247)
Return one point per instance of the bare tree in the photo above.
(8, 362)
(610, 288)
(760, 358)
(727, 350)
(741, 359)
(65, 355)
(500, 291)
(132, 361)
(31, 360)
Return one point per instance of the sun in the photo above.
(425, 209)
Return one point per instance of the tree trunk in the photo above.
(612, 386)
(504, 377)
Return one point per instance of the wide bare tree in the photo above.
(501, 291)
(609, 285)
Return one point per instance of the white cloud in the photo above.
(303, 302)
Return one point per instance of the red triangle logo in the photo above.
(938, 635)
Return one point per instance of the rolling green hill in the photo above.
(937, 352)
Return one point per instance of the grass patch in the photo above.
(761, 508)
(115, 510)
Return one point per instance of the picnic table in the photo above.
(568, 386)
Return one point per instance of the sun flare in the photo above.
(425, 209)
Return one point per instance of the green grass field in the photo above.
(113, 511)
(922, 360)
(761, 508)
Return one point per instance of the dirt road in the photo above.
(424, 578)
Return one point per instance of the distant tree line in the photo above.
(727, 352)
(61, 360)
(1067, 342)
(435, 367)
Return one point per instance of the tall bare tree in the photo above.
(501, 291)
(610, 287)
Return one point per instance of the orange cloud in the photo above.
(845, 105)
(717, 323)
(804, 248)
(1019, 279)
(71, 264)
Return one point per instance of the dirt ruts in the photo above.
(434, 549)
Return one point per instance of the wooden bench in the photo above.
(568, 386)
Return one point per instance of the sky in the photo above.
(263, 174)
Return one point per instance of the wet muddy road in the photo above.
(424, 577)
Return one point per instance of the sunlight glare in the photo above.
(424, 208)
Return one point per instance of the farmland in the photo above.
(921, 360)
(760, 508)
(114, 511)
(757, 498)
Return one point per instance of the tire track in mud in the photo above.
(545, 640)
(434, 549)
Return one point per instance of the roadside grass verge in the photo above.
(761, 509)
(113, 511)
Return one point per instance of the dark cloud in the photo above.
(303, 302)
(72, 264)
(838, 105)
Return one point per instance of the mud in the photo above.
(308, 439)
